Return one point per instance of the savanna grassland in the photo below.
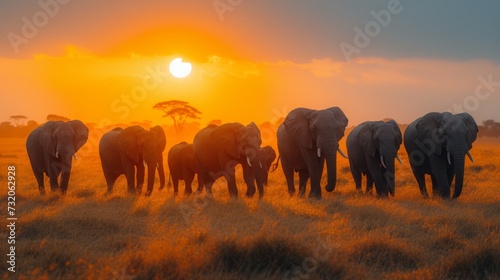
(343, 236)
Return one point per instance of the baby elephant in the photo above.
(372, 147)
(182, 165)
(266, 155)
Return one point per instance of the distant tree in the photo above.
(52, 117)
(18, 120)
(179, 112)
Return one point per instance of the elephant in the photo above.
(50, 148)
(437, 144)
(218, 149)
(127, 151)
(182, 165)
(266, 155)
(306, 139)
(372, 147)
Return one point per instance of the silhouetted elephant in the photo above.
(218, 149)
(266, 155)
(182, 166)
(127, 151)
(372, 147)
(306, 139)
(437, 144)
(50, 148)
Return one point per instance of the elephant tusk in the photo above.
(319, 152)
(144, 163)
(448, 156)
(248, 161)
(397, 157)
(470, 156)
(382, 161)
(260, 164)
(157, 165)
(342, 153)
(74, 156)
(57, 154)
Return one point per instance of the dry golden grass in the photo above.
(343, 236)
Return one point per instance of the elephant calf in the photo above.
(182, 165)
(127, 151)
(372, 147)
(50, 149)
(266, 155)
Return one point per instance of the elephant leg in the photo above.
(189, 180)
(288, 171)
(140, 177)
(434, 184)
(315, 175)
(438, 170)
(378, 179)
(249, 180)
(175, 181)
(420, 177)
(450, 174)
(39, 179)
(303, 178)
(369, 183)
(130, 174)
(356, 175)
(110, 181)
(231, 183)
(200, 183)
(208, 187)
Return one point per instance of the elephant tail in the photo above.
(275, 166)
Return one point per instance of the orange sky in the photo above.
(114, 67)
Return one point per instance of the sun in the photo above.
(180, 69)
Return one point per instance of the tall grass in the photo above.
(343, 236)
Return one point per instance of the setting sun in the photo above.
(180, 69)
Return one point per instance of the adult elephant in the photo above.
(266, 155)
(127, 151)
(306, 139)
(437, 144)
(372, 147)
(182, 166)
(50, 148)
(218, 149)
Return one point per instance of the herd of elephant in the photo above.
(436, 144)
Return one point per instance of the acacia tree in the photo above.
(179, 112)
(17, 120)
(52, 117)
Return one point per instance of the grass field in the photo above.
(343, 236)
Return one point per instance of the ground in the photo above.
(343, 236)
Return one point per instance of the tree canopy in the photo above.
(179, 111)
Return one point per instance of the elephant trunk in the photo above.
(66, 159)
(459, 160)
(389, 172)
(331, 167)
(257, 169)
(151, 177)
(161, 172)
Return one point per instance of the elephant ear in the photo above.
(472, 128)
(397, 130)
(342, 120)
(430, 127)
(128, 142)
(224, 138)
(254, 126)
(297, 124)
(160, 136)
(46, 138)
(365, 137)
(81, 134)
(270, 155)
